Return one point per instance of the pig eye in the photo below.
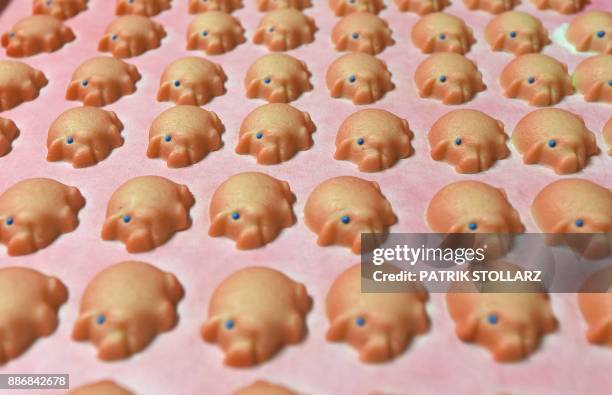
(101, 319)
(458, 141)
(552, 143)
(352, 79)
(530, 80)
(11, 35)
(204, 1)
(610, 83)
(229, 325)
(167, 138)
(512, 34)
(205, 33)
(442, 36)
(69, 140)
(235, 215)
(85, 83)
(442, 78)
(473, 226)
(355, 36)
(177, 83)
(580, 223)
(130, 1)
(271, 29)
(360, 321)
(259, 136)
(351, 1)
(114, 37)
(127, 218)
(10, 221)
(345, 219)
(360, 141)
(267, 80)
(49, 2)
(601, 34)
(493, 319)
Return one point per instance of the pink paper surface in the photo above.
(179, 362)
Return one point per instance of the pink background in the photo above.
(179, 362)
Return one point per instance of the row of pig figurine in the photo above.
(256, 311)
(145, 212)
(373, 139)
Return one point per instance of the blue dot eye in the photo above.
(473, 226)
(360, 141)
(259, 136)
(271, 29)
(204, 33)
(580, 223)
(11, 34)
(10, 221)
(531, 80)
(360, 321)
(442, 36)
(101, 319)
(552, 143)
(177, 83)
(114, 37)
(235, 215)
(601, 34)
(512, 34)
(458, 141)
(493, 319)
(167, 138)
(352, 79)
(127, 218)
(229, 324)
(442, 78)
(346, 219)
(355, 36)
(267, 80)
(351, 1)
(84, 82)
(610, 83)
(69, 140)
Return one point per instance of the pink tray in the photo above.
(179, 362)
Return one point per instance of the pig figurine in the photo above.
(141, 7)
(191, 80)
(131, 35)
(470, 140)
(261, 387)
(422, 7)
(271, 5)
(345, 7)
(536, 78)
(29, 302)
(441, 32)
(124, 308)
(362, 32)
(8, 133)
(35, 212)
(61, 9)
(491, 6)
(509, 325)
(252, 209)
(145, 212)
(359, 77)
(561, 6)
(215, 32)
(379, 325)
(340, 209)
(591, 31)
(254, 313)
(593, 78)
(36, 34)
(285, 29)
(277, 78)
(104, 387)
(199, 6)
(595, 301)
(19, 83)
(516, 32)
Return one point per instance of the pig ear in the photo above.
(80, 332)
(561, 227)
(186, 196)
(338, 328)
(427, 88)
(103, 45)
(210, 330)
(594, 93)
(56, 291)
(153, 148)
(164, 92)
(500, 124)
(217, 227)
(121, 8)
(55, 150)
(327, 235)
(253, 88)
(439, 151)
(466, 330)
(534, 154)
(514, 88)
(192, 41)
(341, 44)
(429, 45)
(5, 40)
(599, 332)
(109, 229)
(342, 152)
(336, 89)
(498, 44)
(258, 38)
(73, 90)
(244, 144)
